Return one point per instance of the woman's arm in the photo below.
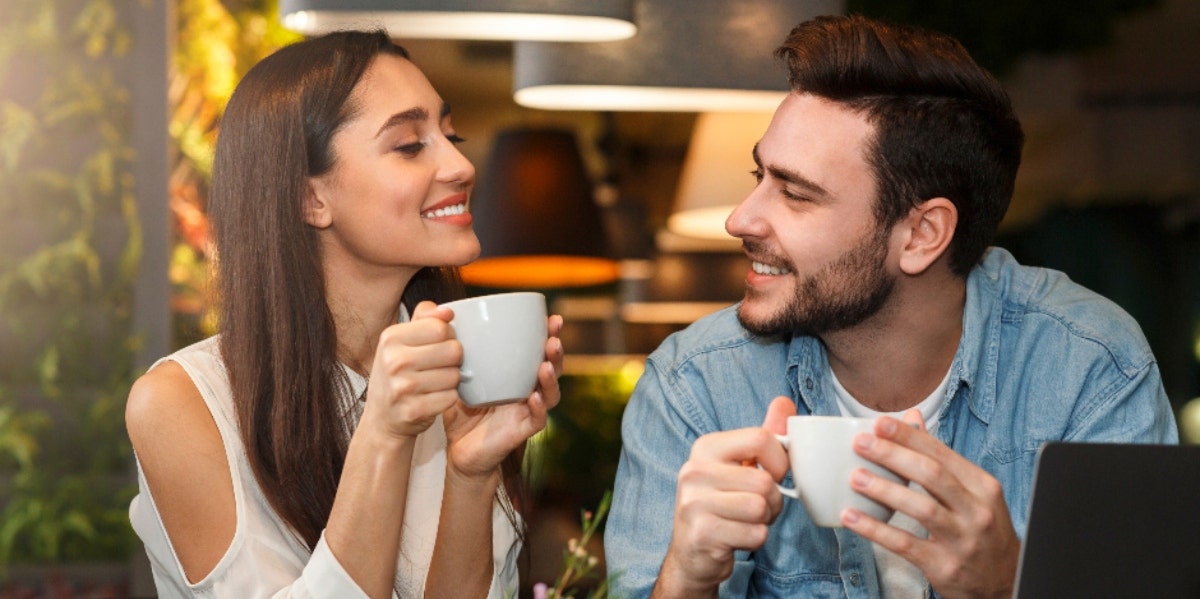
(187, 473)
(413, 379)
(183, 460)
(478, 441)
(364, 525)
(462, 563)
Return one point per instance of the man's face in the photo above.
(819, 259)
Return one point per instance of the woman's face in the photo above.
(397, 193)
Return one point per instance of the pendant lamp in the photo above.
(687, 56)
(716, 174)
(535, 216)
(565, 20)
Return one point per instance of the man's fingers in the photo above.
(901, 542)
(917, 456)
(726, 478)
(778, 412)
(744, 507)
(899, 497)
(745, 446)
(914, 417)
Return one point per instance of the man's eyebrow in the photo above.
(790, 177)
(408, 116)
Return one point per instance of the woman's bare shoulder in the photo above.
(183, 459)
(165, 395)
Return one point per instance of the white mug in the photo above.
(503, 337)
(821, 452)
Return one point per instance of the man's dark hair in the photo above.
(944, 127)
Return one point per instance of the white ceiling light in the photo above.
(547, 20)
(716, 173)
(688, 56)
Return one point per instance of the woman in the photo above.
(317, 446)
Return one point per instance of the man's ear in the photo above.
(316, 209)
(929, 228)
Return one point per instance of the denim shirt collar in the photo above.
(972, 372)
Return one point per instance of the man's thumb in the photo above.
(778, 412)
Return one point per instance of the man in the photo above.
(881, 181)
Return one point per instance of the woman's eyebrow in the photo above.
(400, 118)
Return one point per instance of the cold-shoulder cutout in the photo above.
(184, 462)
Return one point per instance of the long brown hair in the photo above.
(278, 338)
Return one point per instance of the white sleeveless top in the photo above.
(266, 557)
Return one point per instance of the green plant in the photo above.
(574, 461)
(68, 262)
(216, 43)
(578, 564)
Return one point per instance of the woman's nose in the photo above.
(455, 167)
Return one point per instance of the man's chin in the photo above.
(752, 318)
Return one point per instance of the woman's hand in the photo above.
(480, 438)
(415, 373)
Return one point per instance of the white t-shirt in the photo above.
(266, 558)
(898, 577)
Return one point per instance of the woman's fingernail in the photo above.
(850, 516)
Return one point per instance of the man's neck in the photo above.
(897, 358)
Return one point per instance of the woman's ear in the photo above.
(316, 209)
(930, 228)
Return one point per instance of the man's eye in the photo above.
(757, 174)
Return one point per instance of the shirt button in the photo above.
(808, 384)
(855, 580)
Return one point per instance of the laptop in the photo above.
(1113, 521)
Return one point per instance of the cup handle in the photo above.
(783, 440)
(465, 375)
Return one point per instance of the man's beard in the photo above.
(844, 293)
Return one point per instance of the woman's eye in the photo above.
(411, 149)
(455, 139)
(757, 174)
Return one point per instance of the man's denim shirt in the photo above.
(1040, 359)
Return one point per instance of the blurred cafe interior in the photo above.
(607, 154)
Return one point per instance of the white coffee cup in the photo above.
(821, 452)
(504, 342)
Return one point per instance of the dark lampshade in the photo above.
(535, 216)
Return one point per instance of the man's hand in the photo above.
(972, 548)
(724, 502)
